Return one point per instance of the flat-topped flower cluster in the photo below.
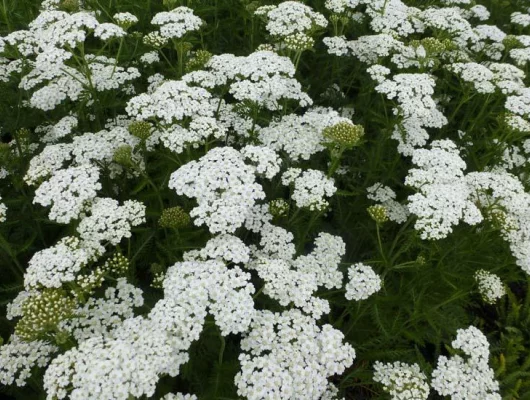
(191, 195)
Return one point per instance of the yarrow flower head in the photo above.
(443, 197)
(470, 377)
(490, 286)
(176, 23)
(224, 186)
(307, 353)
(125, 19)
(279, 208)
(363, 282)
(291, 17)
(109, 222)
(310, 187)
(378, 213)
(19, 357)
(174, 217)
(402, 381)
(344, 134)
(69, 192)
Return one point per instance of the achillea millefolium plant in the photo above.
(244, 199)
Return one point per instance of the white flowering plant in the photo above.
(264, 199)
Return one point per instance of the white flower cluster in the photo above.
(369, 49)
(310, 187)
(112, 368)
(99, 148)
(130, 358)
(18, 358)
(521, 19)
(108, 222)
(265, 160)
(508, 78)
(52, 133)
(99, 317)
(106, 75)
(324, 260)
(470, 378)
(416, 108)
(224, 186)
(125, 19)
(176, 138)
(294, 281)
(393, 17)
(263, 78)
(519, 104)
(521, 55)
(291, 17)
(51, 159)
(225, 247)
(402, 381)
(479, 75)
(171, 102)
(286, 355)
(150, 57)
(210, 285)
(287, 285)
(387, 198)
(443, 197)
(108, 31)
(300, 136)
(276, 242)
(47, 46)
(176, 23)
(69, 192)
(341, 6)
(490, 286)
(52, 267)
(363, 282)
(512, 215)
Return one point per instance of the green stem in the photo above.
(6, 17)
(379, 242)
(258, 292)
(117, 58)
(7, 248)
(222, 350)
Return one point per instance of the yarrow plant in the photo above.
(264, 200)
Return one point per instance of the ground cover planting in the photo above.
(262, 199)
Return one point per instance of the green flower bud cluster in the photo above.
(433, 45)
(43, 312)
(511, 42)
(251, 6)
(198, 61)
(170, 4)
(140, 129)
(344, 134)
(500, 220)
(378, 213)
(299, 42)
(155, 39)
(174, 217)
(118, 264)
(69, 5)
(123, 156)
(279, 208)
(265, 47)
(88, 283)
(421, 260)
